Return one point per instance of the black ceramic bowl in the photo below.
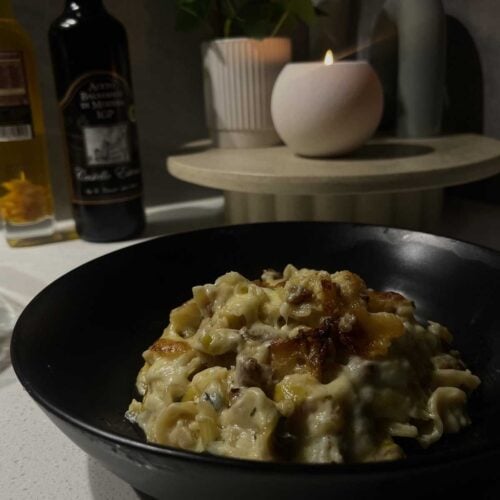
(77, 350)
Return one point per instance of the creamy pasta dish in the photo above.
(302, 366)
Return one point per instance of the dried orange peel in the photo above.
(24, 201)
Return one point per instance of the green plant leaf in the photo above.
(257, 18)
(253, 18)
(190, 14)
(287, 27)
(302, 9)
(320, 12)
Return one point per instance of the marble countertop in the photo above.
(38, 461)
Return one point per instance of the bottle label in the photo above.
(102, 139)
(15, 111)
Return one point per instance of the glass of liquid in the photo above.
(26, 207)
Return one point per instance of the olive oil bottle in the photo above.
(92, 74)
(26, 205)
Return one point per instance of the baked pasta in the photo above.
(302, 366)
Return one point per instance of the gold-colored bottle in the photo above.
(26, 205)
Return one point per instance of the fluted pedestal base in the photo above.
(412, 210)
(390, 181)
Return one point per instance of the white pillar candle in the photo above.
(326, 108)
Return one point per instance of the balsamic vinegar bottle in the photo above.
(91, 68)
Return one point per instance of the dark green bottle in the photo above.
(92, 74)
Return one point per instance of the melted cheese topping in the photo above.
(301, 366)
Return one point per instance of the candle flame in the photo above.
(329, 59)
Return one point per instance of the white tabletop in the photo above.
(37, 460)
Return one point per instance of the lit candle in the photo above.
(329, 59)
(326, 108)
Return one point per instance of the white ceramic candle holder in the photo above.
(326, 109)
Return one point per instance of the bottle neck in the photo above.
(6, 11)
(84, 7)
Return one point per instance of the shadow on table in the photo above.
(385, 151)
(194, 147)
(104, 485)
(389, 151)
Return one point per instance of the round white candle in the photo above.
(326, 108)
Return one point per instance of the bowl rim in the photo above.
(409, 463)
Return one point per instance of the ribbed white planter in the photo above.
(239, 75)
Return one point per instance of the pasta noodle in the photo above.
(302, 366)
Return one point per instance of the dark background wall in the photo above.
(167, 76)
(472, 97)
(473, 53)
